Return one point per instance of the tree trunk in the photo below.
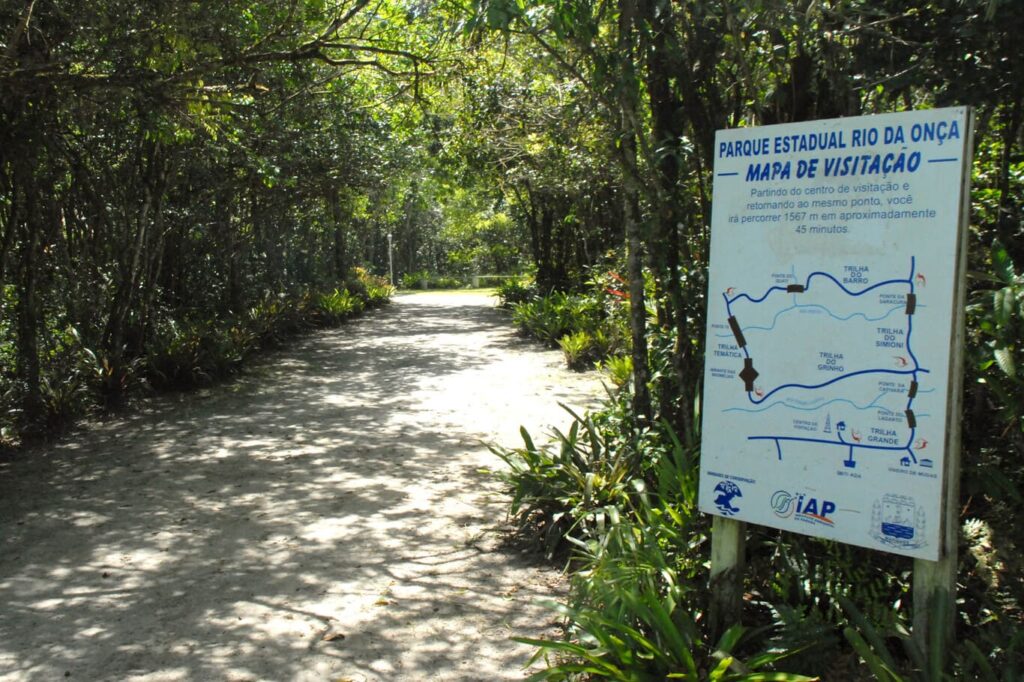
(337, 218)
(131, 271)
(667, 128)
(637, 311)
(8, 225)
(628, 122)
(27, 311)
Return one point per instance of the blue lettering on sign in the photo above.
(803, 507)
(774, 170)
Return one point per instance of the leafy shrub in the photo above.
(337, 306)
(596, 322)
(551, 317)
(422, 279)
(495, 281)
(416, 280)
(554, 488)
(446, 282)
(378, 294)
(373, 289)
(69, 383)
(511, 292)
(637, 584)
(618, 368)
(577, 349)
(182, 354)
(274, 319)
(977, 657)
(172, 354)
(996, 359)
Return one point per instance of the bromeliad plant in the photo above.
(588, 327)
(337, 306)
(512, 292)
(577, 349)
(635, 610)
(556, 488)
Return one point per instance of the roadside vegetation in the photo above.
(614, 498)
(183, 184)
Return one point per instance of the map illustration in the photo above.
(878, 315)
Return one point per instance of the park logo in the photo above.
(803, 507)
(725, 493)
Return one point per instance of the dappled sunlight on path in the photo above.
(322, 518)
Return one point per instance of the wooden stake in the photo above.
(935, 581)
(728, 560)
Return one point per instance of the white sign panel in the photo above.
(834, 252)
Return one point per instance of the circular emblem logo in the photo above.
(782, 503)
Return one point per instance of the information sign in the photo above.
(835, 262)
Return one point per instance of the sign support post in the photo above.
(728, 561)
(934, 596)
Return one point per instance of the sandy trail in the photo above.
(322, 518)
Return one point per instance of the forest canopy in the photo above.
(182, 183)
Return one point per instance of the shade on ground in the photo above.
(322, 518)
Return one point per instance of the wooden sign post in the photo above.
(728, 560)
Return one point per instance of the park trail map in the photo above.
(834, 266)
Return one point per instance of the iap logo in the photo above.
(803, 507)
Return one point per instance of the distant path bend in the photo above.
(322, 518)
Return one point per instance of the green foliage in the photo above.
(577, 349)
(182, 354)
(425, 280)
(511, 292)
(627, 507)
(587, 327)
(547, 318)
(556, 488)
(416, 280)
(373, 290)
(973, 657)
(69, 385)
(618, 368)
(997, 317)
(476, 238)
(337, 306)
(493, 281)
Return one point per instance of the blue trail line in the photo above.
(822, 441)
(756, 300)
(840, 443)
(807, 286)
(913, 372)
(758, 401)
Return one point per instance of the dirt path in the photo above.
(321, 519)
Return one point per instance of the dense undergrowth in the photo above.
(589, 327)
(423, 279)
(616, 500)
(174, 350)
